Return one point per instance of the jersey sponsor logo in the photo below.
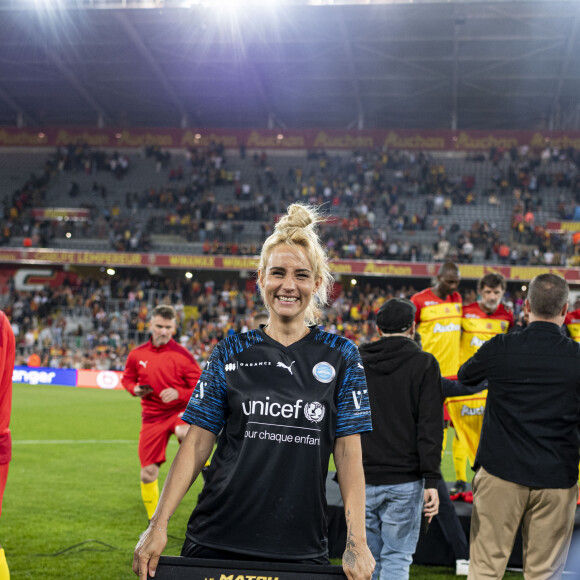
(288, 368)
(314, 411)
(446, 327)
(143, 363)
(229, 367)
(476, 342)
(323, 372)
(357, 397)
(472, 411)
(360, 366)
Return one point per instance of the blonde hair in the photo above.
(298, 228)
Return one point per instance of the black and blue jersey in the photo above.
(278, 411)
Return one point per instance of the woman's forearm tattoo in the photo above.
(350, 554)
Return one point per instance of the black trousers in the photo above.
(450, 524)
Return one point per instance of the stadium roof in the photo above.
(325, 64)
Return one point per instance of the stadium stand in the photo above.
(381, 204)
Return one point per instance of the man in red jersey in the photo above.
(7, 354)
(163, 374)
(481, 321)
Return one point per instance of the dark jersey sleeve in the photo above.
(207, 406)
(354, 412)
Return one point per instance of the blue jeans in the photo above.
(393, 522)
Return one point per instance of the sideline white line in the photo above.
(70, 441)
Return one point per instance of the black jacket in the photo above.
(406, 401)
(530, 427)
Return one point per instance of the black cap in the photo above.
(396, 315)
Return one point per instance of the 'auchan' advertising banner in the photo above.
(287, 139)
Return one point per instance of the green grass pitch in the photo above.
(72, 506)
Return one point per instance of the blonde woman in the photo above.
(279, 399)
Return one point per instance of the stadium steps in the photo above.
(15, 170)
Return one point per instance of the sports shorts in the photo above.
(154, 436)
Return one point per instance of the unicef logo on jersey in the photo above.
(314, 411)
(324, 372)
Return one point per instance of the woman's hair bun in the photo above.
(298, 216)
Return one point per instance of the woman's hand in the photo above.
(148, 550)
(357, 561)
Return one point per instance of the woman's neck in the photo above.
(286, 334)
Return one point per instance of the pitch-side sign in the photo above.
(250, 263)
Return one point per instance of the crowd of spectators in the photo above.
(377, 201)
(93, 324)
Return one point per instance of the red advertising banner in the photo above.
(60, 214)
(99, 379)
(563, 226)
(250, 263)
(287, 139)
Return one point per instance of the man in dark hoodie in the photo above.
(401, 456)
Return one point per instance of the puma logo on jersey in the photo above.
(360, 366)
(143, 363)
(288, 368)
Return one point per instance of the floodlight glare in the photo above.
(48, 4)
(110, 271)
(188, 275)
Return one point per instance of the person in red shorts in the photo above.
(163, 375)
(7, 354)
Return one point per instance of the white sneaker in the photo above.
(461, 567)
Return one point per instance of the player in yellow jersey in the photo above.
(438, 318)
(572, 322)
(481, 321)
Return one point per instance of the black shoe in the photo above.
(458, 487)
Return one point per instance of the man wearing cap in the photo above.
(401, 456)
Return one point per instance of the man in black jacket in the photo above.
(401, 456)
(527, 460)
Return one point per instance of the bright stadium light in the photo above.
(353, 282)
(189, 275)
(68, 235)
(111, 271)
